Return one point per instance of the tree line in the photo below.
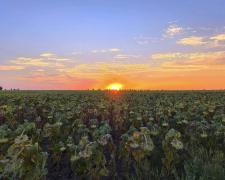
(1, 88)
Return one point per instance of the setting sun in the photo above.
(115, 86)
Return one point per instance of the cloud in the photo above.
(172, 21)
(26, 62)
(193, 40)
(40, 77)
(144, 42)
(190, 56)
(75, 53)
(192, 61)
(220, 37)
(107, 50)
(101, 69)
(172, 31)
(122, 56)
(30, 62)
(114, 49)
(47, 54)
(204, 28)
(11, 67)
(168, 55)
(60, 59)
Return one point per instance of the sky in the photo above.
(86, 44)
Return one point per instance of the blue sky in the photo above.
(91, 32)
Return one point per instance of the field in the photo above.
(138, 135)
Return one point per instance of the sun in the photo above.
(115, 86)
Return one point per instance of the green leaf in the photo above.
(97, 157)
(170, 155)
(2, 167)
(104, 172)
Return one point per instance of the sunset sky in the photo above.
(86, 44)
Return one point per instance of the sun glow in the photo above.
(115, 86)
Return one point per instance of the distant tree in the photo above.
(11, 89)
(1, 88)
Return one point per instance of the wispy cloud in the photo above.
(48, 54)
(172, 31)
(201, 28)
(220, 37)
(11, 67)
(114, 49)
(101, 69)
(193, 40)
(123, 56)
(190, 56)
(106, 50)
(75, 53)
(191, 61)
(145, 40)
(26, 62)
(61, 59)
(172, 22)
(166, 56)
(30, 62)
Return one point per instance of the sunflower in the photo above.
(21, 139)
(204, 135)
(134, 145)
(177, 144)
(4, 140)
(75, 158)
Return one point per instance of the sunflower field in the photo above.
(137, 135)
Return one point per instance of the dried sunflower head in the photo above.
(93, 126)
(139, 118)
(177, 144)
(21, 139)
(75, 158)
(107, 136)
(4, 140)
(184, 121)
(204, 135)
(165, 124)
(154, 132)
(79, 125)
(223, 119)
(151, 119)
(102, 141)
(134, 145)
(84, 141)
(62, 149)
(147, 146)
(59, 123)
(85, 154)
